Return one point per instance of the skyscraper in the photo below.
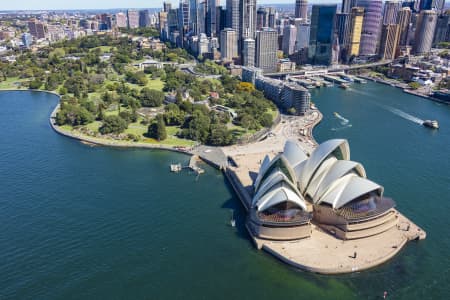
(303, 31)
(371, 26)
(347, 6)
(389, 41)
(289, 39)
(248, 53)
(404, 20)
(248, 19)
(301, 9)
(144, 18)
(390, 13)
(266, 49)
(357, 18)
(211, 17)
(133, 18)
(228, 44)
(233, 15)
(343, 22)
(442, 26)
(37, 29)
(322, 33)
(425, 27)
(121, 20)
(261, 18)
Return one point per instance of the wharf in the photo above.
(322, 252)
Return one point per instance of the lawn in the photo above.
(11, 83)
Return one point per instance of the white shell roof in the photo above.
(347, 189)
(270, 181)
(294, 153)
(322, 180)
(266, 167)
(279, 194)
(318, 156)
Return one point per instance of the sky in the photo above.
(105, 4)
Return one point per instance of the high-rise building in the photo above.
(412, 4)
(343, 22)
(371, 26)
(248, 19)
(322, 34)
(233, 15)
(390, 13)
(347, 5)
(261, 18)
(133, 18)
(27, 39)
(221, 19)
(426, 24)
(184, 18)
(356, 24)
(266, 49)
(37, 29)
(167, 6)
(404, 21)
(121, 20)
(211, 17)
(301, 9)
(442, 29)
(389, 41)
(432, 5)
(271, 17)
(289, 39)
(303, 31)
(144, 18)
(248, 52)
(228, 44)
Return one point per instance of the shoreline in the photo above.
(405, 90)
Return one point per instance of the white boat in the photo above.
(431, 124)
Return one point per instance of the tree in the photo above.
(151, 98)
(266, 120)
(74, 115)
(414, 85)
(157, 129)
(113, 124)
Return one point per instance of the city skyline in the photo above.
(111, 4)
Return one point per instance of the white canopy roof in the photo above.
(270, 182)
(280, 193)
(307, 170)
(347, 189)
(293, 153)
(322, 180)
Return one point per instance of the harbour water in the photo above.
(95, 222)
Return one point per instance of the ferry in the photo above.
(347, 78)
(431, 124)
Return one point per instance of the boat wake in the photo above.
(391, 109)
(404, 115)
(343, 120)
(341, 128)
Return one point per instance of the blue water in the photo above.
(82, 222)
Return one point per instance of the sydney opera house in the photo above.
(293, 191)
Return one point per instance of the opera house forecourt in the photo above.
(320, 212)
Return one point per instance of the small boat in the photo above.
(232, 221)
(175, 168)
(431, 124)
(344, 86)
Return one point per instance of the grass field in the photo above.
(11, 83)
